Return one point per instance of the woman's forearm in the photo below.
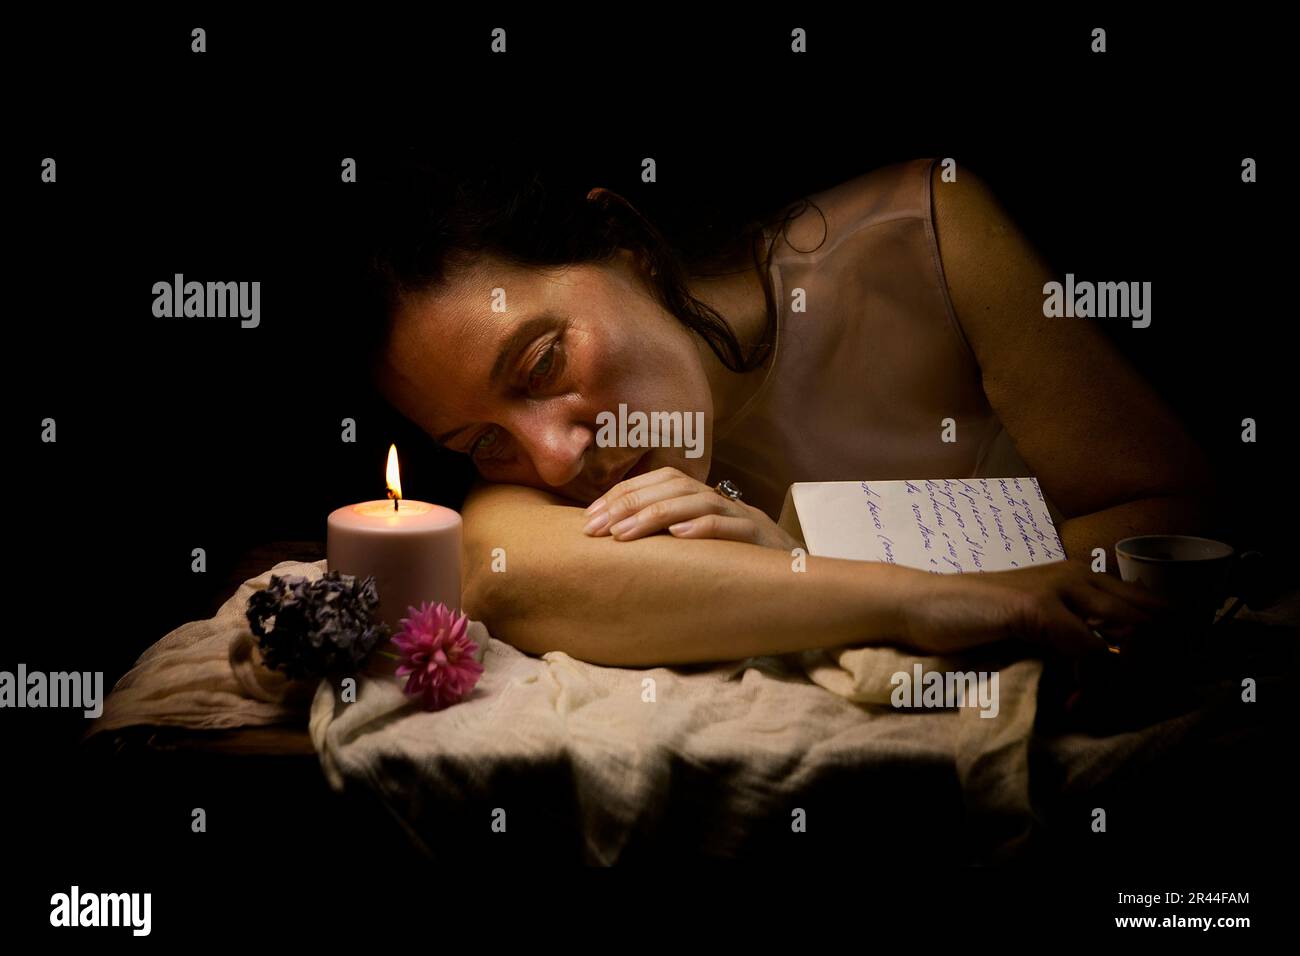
(660, 600)
(1171, 514)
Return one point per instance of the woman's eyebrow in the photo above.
(522, 334)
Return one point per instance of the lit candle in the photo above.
(411, 547)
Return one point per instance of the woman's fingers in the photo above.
(666, 511)
(723, 527)
(1131, 592)
(633, 484)
(640, 500)
(1067, 632)
(1098, 615)
(1089, 601)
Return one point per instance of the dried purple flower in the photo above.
(316, 628)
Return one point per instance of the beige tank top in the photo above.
(861, 381)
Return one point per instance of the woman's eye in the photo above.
(545, 367)
(541, 374)
(480, 444)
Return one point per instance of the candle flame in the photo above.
(393, 476)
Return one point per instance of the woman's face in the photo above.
(519, 390)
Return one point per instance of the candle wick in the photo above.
(395, 500)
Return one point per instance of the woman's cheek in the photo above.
(492, 471)
(510, 472)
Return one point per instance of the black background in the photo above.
(175, 434)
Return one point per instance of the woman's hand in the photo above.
(669, 499)
(1054, 605)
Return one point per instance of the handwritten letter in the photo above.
(944, 525)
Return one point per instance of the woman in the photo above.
(834, 344)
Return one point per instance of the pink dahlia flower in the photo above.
(438, 654)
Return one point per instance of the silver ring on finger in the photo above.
(727, 488)
(1109, 646)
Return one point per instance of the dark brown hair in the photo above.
(435, 218)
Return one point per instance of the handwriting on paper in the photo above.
(944, 525)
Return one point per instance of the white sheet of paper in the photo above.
(945, 525)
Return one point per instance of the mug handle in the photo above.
(1242, 586)
(1247, 582)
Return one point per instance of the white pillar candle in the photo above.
(413, 550)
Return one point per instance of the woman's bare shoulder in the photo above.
(892, 190)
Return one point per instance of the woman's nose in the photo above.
(558, 449)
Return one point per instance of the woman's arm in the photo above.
(660, 600)
(1107, 449)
